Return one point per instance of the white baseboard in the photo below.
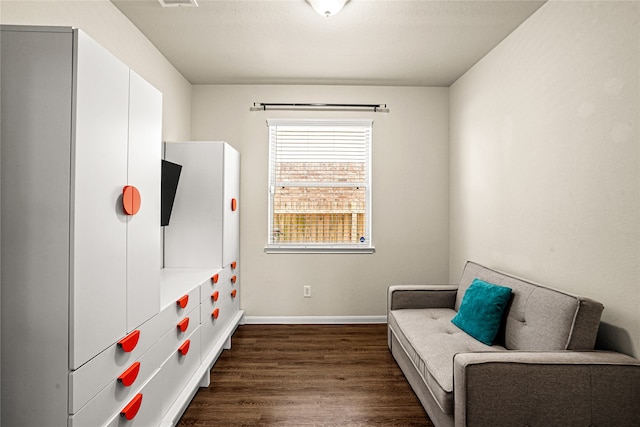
(313, 320)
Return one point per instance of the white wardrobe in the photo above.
(94, 331)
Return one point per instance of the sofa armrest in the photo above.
(421, 296)
(546, 388)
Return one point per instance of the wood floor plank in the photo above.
(306, 375)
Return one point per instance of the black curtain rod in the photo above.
(263, 106)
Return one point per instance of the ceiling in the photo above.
(370, 42)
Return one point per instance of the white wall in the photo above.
(103, 22)
(545, 159)
(410, 197)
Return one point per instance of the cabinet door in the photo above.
(193, 238)
(143, 228)
(98, 287)
(231, 206)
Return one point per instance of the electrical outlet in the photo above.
(307, 291)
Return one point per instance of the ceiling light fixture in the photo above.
(327, 7)
(178, 3)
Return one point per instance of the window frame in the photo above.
(308, 247)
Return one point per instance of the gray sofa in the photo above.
(542, 369)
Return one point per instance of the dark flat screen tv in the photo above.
(169, 183)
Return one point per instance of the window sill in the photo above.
(292, 249)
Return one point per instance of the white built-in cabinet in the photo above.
(203, 232)
(94, 331)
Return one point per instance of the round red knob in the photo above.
(131, 200)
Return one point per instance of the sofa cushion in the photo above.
(431, 340)
(539, 318)
(481, 310)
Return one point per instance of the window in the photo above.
(320, 185)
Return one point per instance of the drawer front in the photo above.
(231, 272)
(89, 379)
(148, 413)
(213, 326)
(234, 297)
(164, 387)
(176, 337)
(214, 296)
(210, 285)
(116, 395)
(178, 369)
(234, 283)
(175, 312)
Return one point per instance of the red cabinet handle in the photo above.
(234, 293)
(182, 302)
(131, 410)
(215, 295)
(234, 265)
(129, 342)
(184, 348)
(233, 279)
(216, 313)
(129, 376)
(131, 200)
(214, 278)
(234, 205)
(183, 325)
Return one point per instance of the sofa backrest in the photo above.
(538, 317)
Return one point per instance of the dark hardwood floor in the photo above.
(306, 375)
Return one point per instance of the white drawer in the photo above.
(231, 272)
(212, 284)
(213, 310)
(233, 280)
(116, 395)
(174, 311)
(178, 369)
(234, 294)
(216, 294)
(234, 299)
(212, 327)
(149, 412)
(176, 336)
(89, 379)
(164, 387)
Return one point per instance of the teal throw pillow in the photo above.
(481, 310)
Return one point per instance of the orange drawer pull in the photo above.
(215, 295)
(130, 200)
(182, 302)
(184, 348)
(129, 342)
(131, 410)
(214, 278)
(129, 376)
(234, 265)
(216, 313)
(234, 293)
(233, 279)
(183, 325)
(234, 205)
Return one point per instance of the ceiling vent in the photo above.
(178, 3)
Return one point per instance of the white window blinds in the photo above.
(320, 184)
